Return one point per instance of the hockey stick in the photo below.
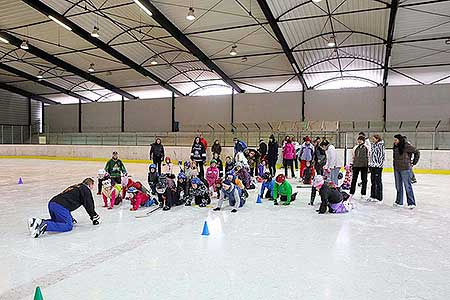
(148, 213)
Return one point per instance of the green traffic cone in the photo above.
(38, 294)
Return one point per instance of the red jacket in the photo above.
(204, 142)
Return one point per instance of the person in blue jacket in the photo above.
(233, 194)
(239, 146)
(267, 183)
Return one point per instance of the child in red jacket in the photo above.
(140, 194)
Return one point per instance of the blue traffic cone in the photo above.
(258, 200)
(20, 181)
(205, 229)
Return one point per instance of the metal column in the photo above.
(122, 115)
(79, 116)
(173, 112)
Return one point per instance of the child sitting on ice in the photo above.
(167, 167)
(262, 168)
(152, 178)
(234, 195)
(331, 199)
(212, 174)
(267, 183)
(229, 164)
(308, 173)
(111, 193)
(167, 192)
(198, 192)
(283, 189)
(219, 163)
(139, 194)
(348, 178)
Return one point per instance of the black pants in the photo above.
(272, 167)
(356, 172)
(201, 170)
(99, 186)
(376, 190)
(319, 168)
(296, 162)
(288, 163)
(158, 162)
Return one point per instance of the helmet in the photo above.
(101, 173)
(187, 164)
(318, 181)
(107, 183)
(167, 159)
(231, 174)
(181, 175)
(132, 190)
(267, 176)
(213, 161)
(238, 166)
(196, 180)
(152, 166)
(161, 187)
(280, 178)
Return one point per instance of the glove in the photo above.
(234, 210)
(96, 220)
(216, 209)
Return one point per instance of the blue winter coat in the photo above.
(267, 185)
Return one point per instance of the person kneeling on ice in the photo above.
(233, 194)
(140, 196)
(243, 174)
(167, 192)
(111, 192)
(283, 189)
(61, 206)
(308, 173)
(101, 174)
(269, 184)
(332, 199)
(198, 192)
(182, 186)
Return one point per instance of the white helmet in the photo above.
(101, 173)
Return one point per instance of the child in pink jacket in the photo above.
(212, 174)
(288, 156)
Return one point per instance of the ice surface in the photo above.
(262, 252)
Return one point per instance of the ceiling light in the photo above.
(191, 14)
(233, 51)
(244, 59)
(447, 42)
(59, 22)
(331, 42)
(91, 68)
(24, 45)
(316, 1)
(153, 62)
(143, 7)
(4, 40)
(94, 32)
(40, 75)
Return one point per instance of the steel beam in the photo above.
(42, 82)
(188, 44)
(65, 65)
(279, 35)
(46, 10)
(24, 93)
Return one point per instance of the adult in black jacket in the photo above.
(320, 156)
(262, 149)
(216, 147)
(198, 154)
(272, 154)
(61, 206)
(157, 153)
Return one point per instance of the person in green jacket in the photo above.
(115, 168)
(283, 189)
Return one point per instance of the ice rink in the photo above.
(262, 252)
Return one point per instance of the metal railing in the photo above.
(437, 140)
(18, 134)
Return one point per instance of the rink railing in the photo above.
(18, 134)
(438, 140)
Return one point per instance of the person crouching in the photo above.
(198, 192)
(111, 193)
(283, 189)
(234, 195)
(331, 199)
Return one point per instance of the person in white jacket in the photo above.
(332, 164)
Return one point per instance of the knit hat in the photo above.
(307, 139)
(318, 181)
